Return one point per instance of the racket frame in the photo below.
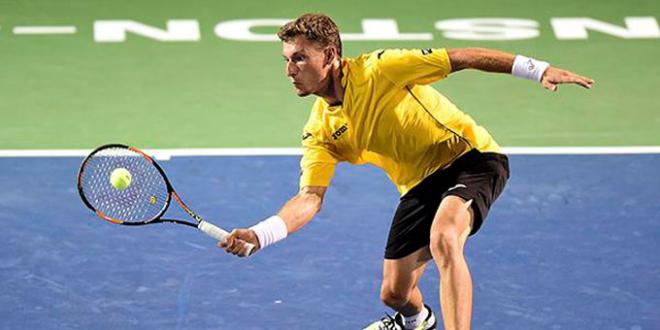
(170, 191)
(206, 227)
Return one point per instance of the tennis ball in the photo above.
(120, 178)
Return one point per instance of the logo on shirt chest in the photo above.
(340, 131)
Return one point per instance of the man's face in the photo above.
(306, 65)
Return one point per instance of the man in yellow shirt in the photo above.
(378, 108)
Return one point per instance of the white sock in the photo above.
(412, 322)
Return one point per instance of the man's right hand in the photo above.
(234, 243)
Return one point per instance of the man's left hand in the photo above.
(555, 76)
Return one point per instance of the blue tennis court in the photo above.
(571, 244)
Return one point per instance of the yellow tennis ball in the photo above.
(120, 178)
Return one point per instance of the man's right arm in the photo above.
(295, 214)
(300, 209)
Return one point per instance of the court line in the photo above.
(44, 29)
(165, 154)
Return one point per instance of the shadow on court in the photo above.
(571, 244)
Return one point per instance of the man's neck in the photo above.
(333, 94)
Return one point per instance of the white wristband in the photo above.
(528, 68)
(270, 231)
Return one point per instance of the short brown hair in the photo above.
(314, 27)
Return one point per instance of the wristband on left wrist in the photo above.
(528, 68)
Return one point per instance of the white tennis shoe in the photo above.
(396, 322)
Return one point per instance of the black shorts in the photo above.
(475, 176)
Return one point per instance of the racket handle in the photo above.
(219, 234)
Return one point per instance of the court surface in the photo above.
(571, 244)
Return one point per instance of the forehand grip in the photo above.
(219, 234)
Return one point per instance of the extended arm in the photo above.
(300, 209)
(491, 60)
(295, 214)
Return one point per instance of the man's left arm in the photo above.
(491, 60)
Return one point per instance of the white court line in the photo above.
(164, 154)
(581, 150)
(44, 30)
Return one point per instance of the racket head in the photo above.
(146, 198)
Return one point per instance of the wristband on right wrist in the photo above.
(270, 231)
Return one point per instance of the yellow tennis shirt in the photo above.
(392, 118)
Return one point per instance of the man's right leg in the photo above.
(399, 288)
(400, 292)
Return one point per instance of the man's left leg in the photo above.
(449, 232)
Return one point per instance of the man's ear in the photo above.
(330, 53)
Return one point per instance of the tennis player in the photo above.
(379, 108)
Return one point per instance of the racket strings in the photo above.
(145, 197)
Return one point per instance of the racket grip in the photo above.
(219, 234)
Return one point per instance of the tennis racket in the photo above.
(146, 197)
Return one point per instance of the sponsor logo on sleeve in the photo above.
(306, 135)
(340, 131)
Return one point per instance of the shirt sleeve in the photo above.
(318, 162)
(414, 66)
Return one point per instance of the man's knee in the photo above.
(394, 297)
(446, 245)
